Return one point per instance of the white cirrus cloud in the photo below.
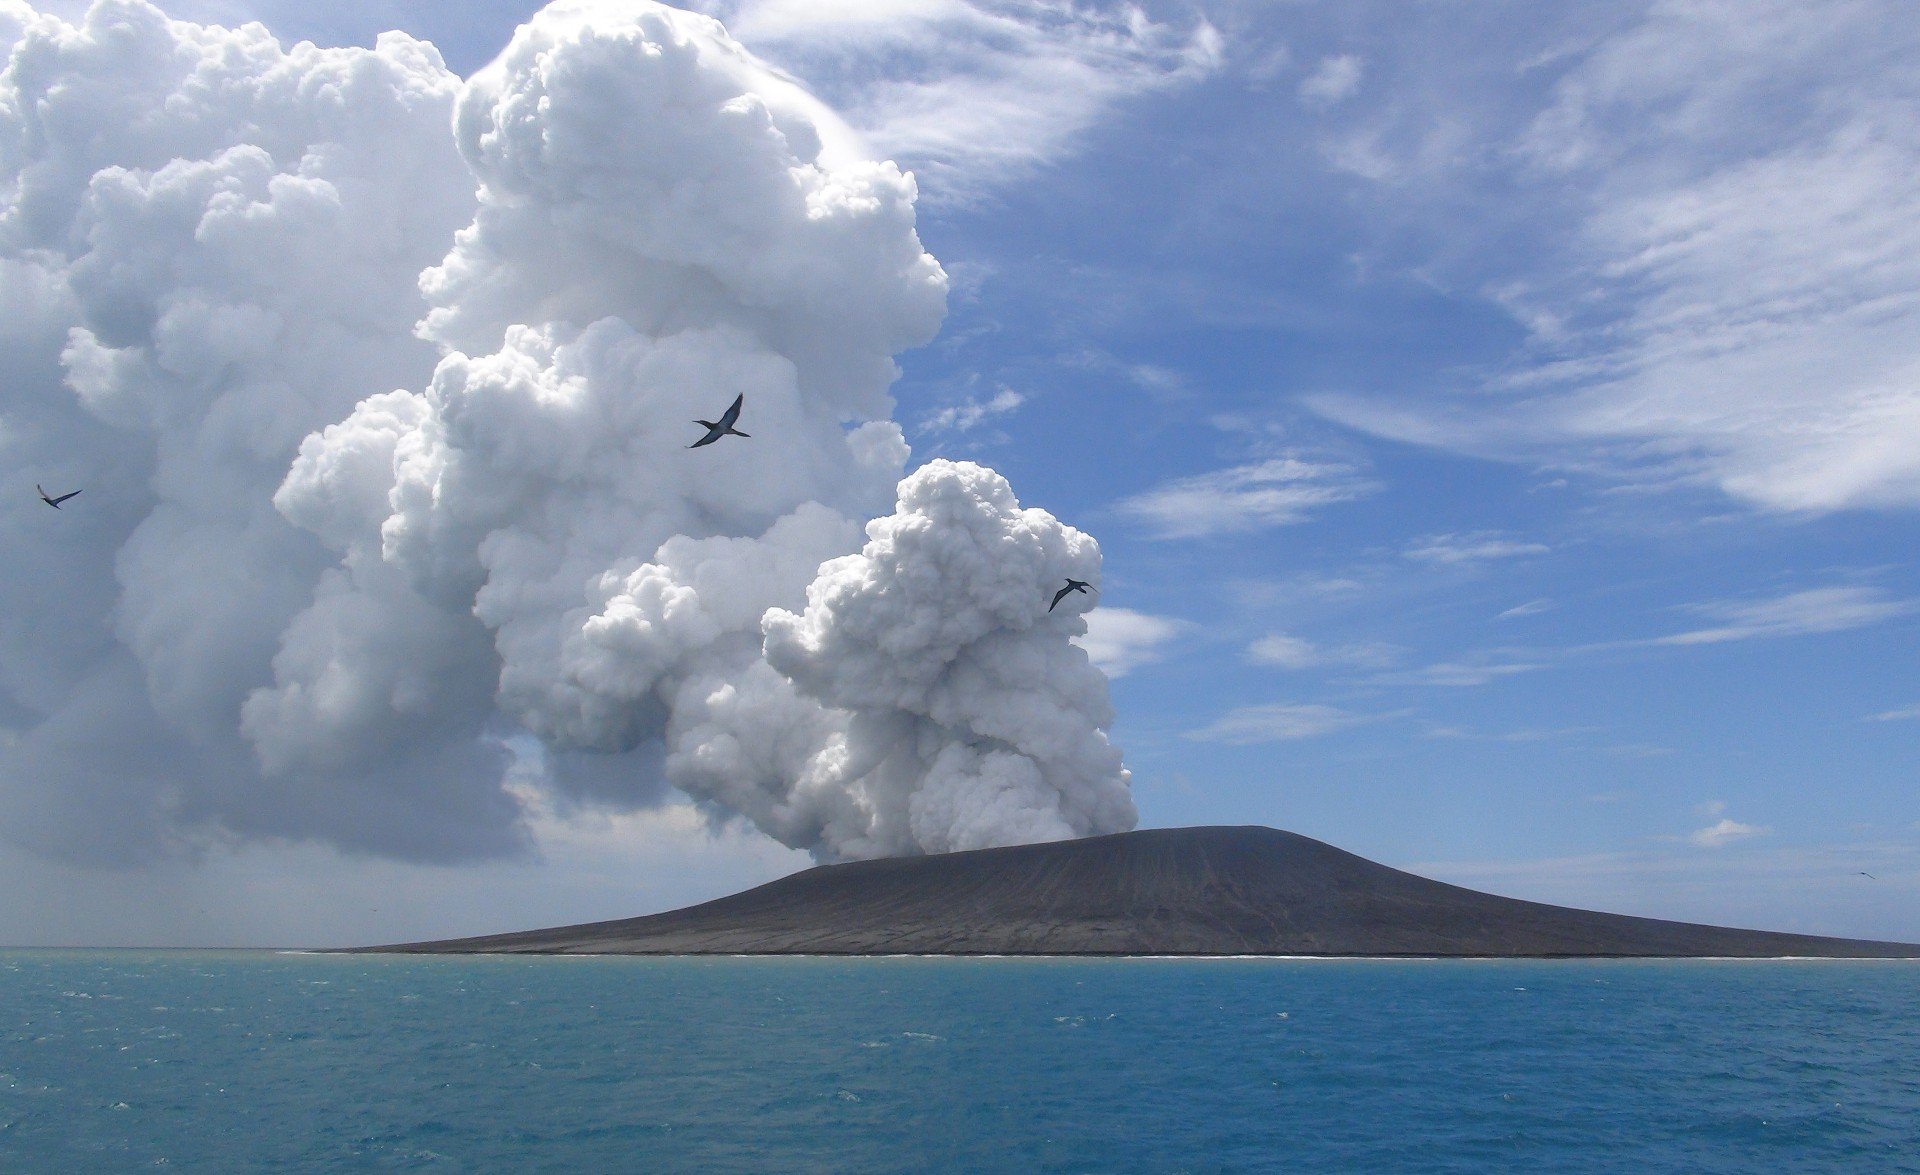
(1724, 832)
(1334, 79)
(1278, 722)
(1284, 651)
(1737, 306)
(971, 413)
(1815, 610)
(1904, 713)
(1473, 547)
(971, 93)
(1279, 491)
(1459, 674)
(1261, 65)
(1525, 735)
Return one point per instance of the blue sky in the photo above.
(1495, 647)
(1501, 424)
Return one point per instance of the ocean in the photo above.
(242, 1061)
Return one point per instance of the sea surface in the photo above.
(242, 1061)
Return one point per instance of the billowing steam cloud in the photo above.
(327, 562)
(211, 248)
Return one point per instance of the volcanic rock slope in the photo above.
(1171, 891)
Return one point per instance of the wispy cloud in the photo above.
(1278, 722)
(1725, 832)
(1737, 305)
(972, 93)
(1510, 736)
(1830, 609)
(1530, 608)
(1275, 492)
(1334, 79)
(1164, 384)
(968, 414)
(1476, 547)
(1904, 713)
(1264, 64)
(1120, 639)
(1458, 674)
(1291, 652)
(1287, 652)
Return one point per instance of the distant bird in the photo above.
(1868, 875)
(723, 426)
(1073, 585)
(52, 501)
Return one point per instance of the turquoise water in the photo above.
(218, 1061)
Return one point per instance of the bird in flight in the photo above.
(723, 426)
(1868, 875)
(1073, 585)
(53, 501)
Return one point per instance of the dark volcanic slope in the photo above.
(1170, 891)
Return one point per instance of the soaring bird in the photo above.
(723, 426)
(1868, 875)
(1073, 585)
(52, 501)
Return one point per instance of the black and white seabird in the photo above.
(723, 426)
(53, 501)
(1073, 585)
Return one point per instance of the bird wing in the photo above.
(1058, 596)
(732, 413)
(713, 434)
(62, 497)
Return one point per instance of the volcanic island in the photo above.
(1162, 891)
